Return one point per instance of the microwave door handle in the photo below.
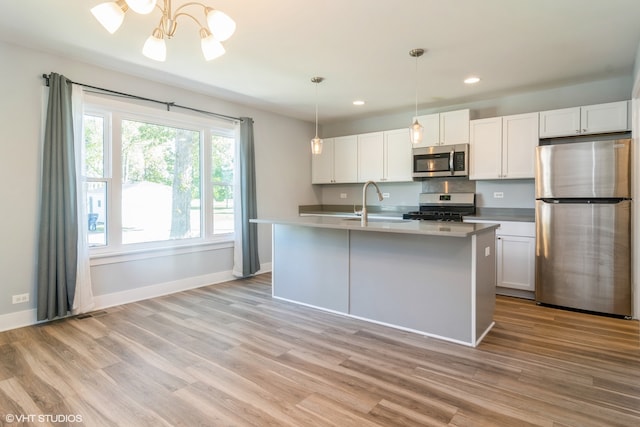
(451, 162)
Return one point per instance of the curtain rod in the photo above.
(141, 98)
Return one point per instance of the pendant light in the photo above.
(417, 131)
(316, 143)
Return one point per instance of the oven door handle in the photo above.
(451, 154)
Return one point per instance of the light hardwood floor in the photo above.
(231, 355)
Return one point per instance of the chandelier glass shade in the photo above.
(219, 26)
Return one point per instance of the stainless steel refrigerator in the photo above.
(583, 225)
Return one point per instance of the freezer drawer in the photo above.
(583, 256)
(583, 170)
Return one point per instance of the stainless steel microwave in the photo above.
(441, 161)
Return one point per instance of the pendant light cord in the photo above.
(317, 109)
(416, 86)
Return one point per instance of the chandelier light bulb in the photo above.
(110, 15)
(155, 48)
(142, 7)
(220, 24)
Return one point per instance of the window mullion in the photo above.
(115, 189)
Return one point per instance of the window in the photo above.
(144, 169)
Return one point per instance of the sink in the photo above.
(379, 220)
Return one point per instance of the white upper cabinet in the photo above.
(589, 119)
(519, 140)
(384, 156)
(338, 162)
(345, 161)
(503, 147)
(397, 155)
(447, 128)
(485, 148)
(370, 157)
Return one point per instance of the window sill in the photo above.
(114, 257)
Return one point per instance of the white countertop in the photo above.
(430, 228)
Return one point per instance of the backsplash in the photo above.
(515, 193)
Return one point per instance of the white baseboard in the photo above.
(18, 319)
(152, 291)
(23, 318)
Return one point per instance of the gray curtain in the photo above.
(250, 261)
(58, 236)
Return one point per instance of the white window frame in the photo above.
(113, 112)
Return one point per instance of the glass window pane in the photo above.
(97, 213)
(222, 166)
(160, 182)
(94, 146)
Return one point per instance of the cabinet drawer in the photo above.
(517, 228)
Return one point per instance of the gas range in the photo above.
(450, 207)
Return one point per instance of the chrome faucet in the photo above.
(365, 220)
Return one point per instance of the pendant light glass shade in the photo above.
(142, 7)
(155, 48)
(110, 15)
(316, 146)
(220, 24)
(316, 142)
(417, 132)
(416, 129)
(211, 47)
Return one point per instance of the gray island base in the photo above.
(432, 278)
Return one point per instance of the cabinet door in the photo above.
(431, 124)
(397, 155)
(519, 141)
(345, 159)
(485, 146)
(322, 164)
(370, 157)
(563, 122)
(515, 262)
(610, 117)
(454, 127)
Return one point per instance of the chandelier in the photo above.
(219, 25)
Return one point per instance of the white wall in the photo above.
(283, 164)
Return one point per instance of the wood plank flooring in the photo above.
(230, 355)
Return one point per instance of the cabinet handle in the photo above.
(577, 130)
(584, 130)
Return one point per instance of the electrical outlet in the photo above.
(343, 195)
(386, 195)
(18, 299)
(498, 195)
(487, 251)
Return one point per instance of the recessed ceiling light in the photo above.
(358, 102)
(471, 80)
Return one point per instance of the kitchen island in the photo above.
(432, 278)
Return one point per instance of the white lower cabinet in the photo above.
(515, 257)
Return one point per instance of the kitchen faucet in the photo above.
(365, 220)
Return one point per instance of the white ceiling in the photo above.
(361, 47)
